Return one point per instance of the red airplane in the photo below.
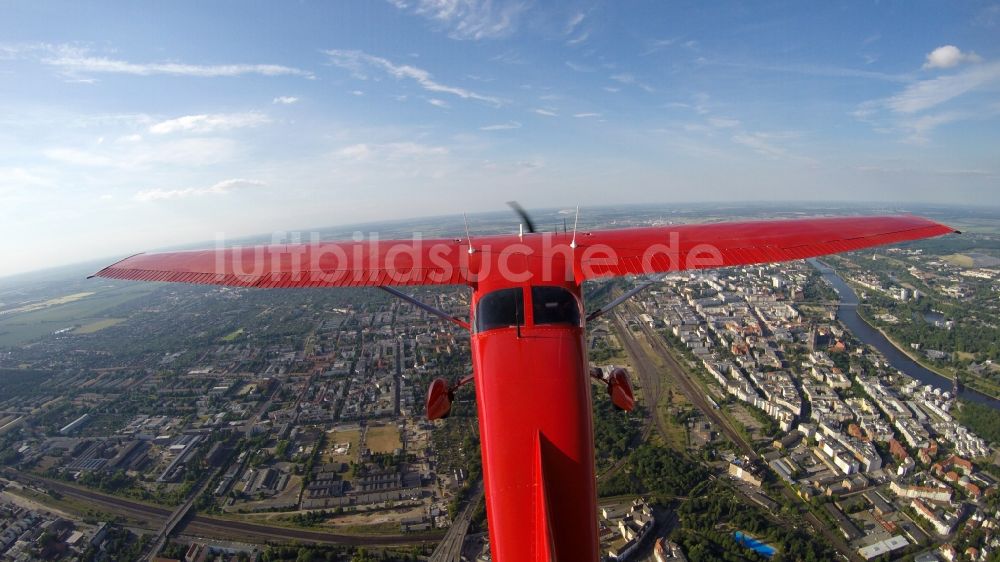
(527, 324)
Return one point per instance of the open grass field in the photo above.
(960, 260)
(233, 335)
(51, 302)
(98, 325)
(82, 309)
(977, 225)
(383, 439)
(338, 437)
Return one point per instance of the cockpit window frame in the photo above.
(569, 313)
(496, 318)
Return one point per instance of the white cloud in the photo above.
(19, 177)
(74, 60)
(78, 157)
(579, 67)
(142, 155)
(582, 37)
(358, 62)
(810, 70)
(697, 128)
(355, 152)
(220, 188)
(285, 100)
(585, 115)
(438, 103)
(509, 56)
(918, 129)
(723, 123)
(469, 19)
(761, 143)
(918, 171)
(926, 94)
(655, 45)
(209, 123)
(574, 20)
(502, 126)
(988, 16)
(546, 112)
(390, 151)
(629, 79)
(924, 105)
(948, 56)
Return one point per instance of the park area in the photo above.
(342, 444)
(383, 438)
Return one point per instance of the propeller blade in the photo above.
(523, 214)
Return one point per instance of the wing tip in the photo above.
(104, 272)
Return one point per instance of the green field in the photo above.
(98, 325)
(960, 260)
(85, 312)
(383, 439)
(233, 335)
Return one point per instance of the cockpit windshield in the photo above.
(554, 305)
(500, 309)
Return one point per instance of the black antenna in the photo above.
(517, 310)
(523, 214)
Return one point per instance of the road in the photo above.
(450, 547)
(177, 517)
(205, 526)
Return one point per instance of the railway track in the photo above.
(693, 392)
(211, 527)
(648, 374)
(649, 380)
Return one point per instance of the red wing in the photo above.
(321, 264)
(551, 257)
(702, 246)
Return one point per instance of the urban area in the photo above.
(174, 422)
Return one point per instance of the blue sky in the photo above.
(133, 125)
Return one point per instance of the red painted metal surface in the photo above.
(620, 390)
(533, 396)
(439, 398)
(539, 258)
(532, 385)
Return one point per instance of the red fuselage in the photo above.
(533, 397)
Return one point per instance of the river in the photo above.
(847, 313)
